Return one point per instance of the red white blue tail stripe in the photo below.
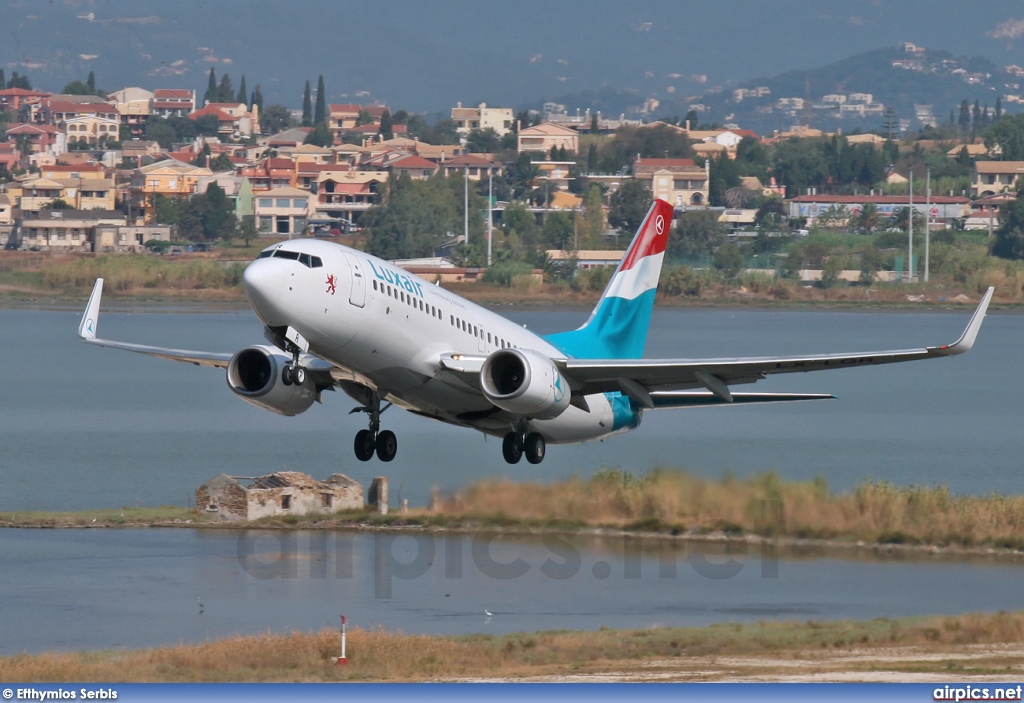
(617, 328)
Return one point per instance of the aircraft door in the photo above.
(357, 294)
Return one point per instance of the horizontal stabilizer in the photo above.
(696, 399)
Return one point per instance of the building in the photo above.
(678, 181)
(65, 230)
(943, 209)
(170, 178)
(278, 494)
(94, 130)
(173, 103)
(282, 212)
(466, 119)
(134, 105)
(475, 167)
(993, 177)
(546, 136)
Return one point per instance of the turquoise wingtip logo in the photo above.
(88, 326)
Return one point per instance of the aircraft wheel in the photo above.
(364, 445)
(535, 448)
(286, 375)
(298, 375)
(512, 448)
(387, 445)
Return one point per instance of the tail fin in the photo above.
(617, 328)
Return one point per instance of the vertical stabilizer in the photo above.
(617, 328)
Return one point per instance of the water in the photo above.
(104, 589)
(85, 427)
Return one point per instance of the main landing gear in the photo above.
(371, 440)
(520, 442)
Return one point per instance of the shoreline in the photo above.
(796, 547)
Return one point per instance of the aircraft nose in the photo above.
(263, 284)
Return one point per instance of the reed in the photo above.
(378, 655)
(762, 504)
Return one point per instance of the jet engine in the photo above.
(525, 383)
(254, 375)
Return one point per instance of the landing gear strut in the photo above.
(521, 441)
(371, 440)
(292, 372)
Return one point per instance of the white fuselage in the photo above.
(391, 327)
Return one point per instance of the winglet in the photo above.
(91, 317)
(966, 340)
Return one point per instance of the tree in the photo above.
(218, 209)
(482, 141)
(247, 229)
(222, 163)
(19, 81)
(307, 107)
(1009, 236)
(386, 125)
(159, 131)
(697, 233)
(3, 80)
(629, 205)
(276, 118)
(57, 204)
(594, 222)
(557, 230)
(207, 125)
(868, 219)
(243, 95)
(965, 116)
(320, 136)
(166, 210)
(77, 88)
(724, 174)
(257, 101)
(320, 113)
(91, 82)
(728, 260)
(210, 96)
(225, 92)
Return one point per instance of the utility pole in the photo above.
(490, 212)
(910, 231)
(465, 205)
(927, 218)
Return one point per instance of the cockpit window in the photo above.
(285, 254)
(266, 254)
(304, 259)
(315, 262)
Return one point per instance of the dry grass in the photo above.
(382, 656)
(112, 517)
(762, 504)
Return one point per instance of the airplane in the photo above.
(337, 318)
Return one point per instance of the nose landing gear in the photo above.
(520, 442)
(373, 440)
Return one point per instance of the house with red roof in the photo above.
(173, 103)
(235, 120)
(43, 138)
(474, 166)
(12, 99)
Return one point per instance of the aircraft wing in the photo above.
(643, 379)
(90, 322)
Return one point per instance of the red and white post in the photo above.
(342, 660)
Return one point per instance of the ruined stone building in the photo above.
(277, 494)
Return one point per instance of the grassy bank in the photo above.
(217, 276)
(763, 504)
(668, 502)
(935, 644)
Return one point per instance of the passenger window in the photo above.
(476, 332)
(488, 337)
(375, 284)
(389, 290)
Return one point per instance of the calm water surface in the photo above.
(82, 427)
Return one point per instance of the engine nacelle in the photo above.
(525, 383)
(254, 375)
